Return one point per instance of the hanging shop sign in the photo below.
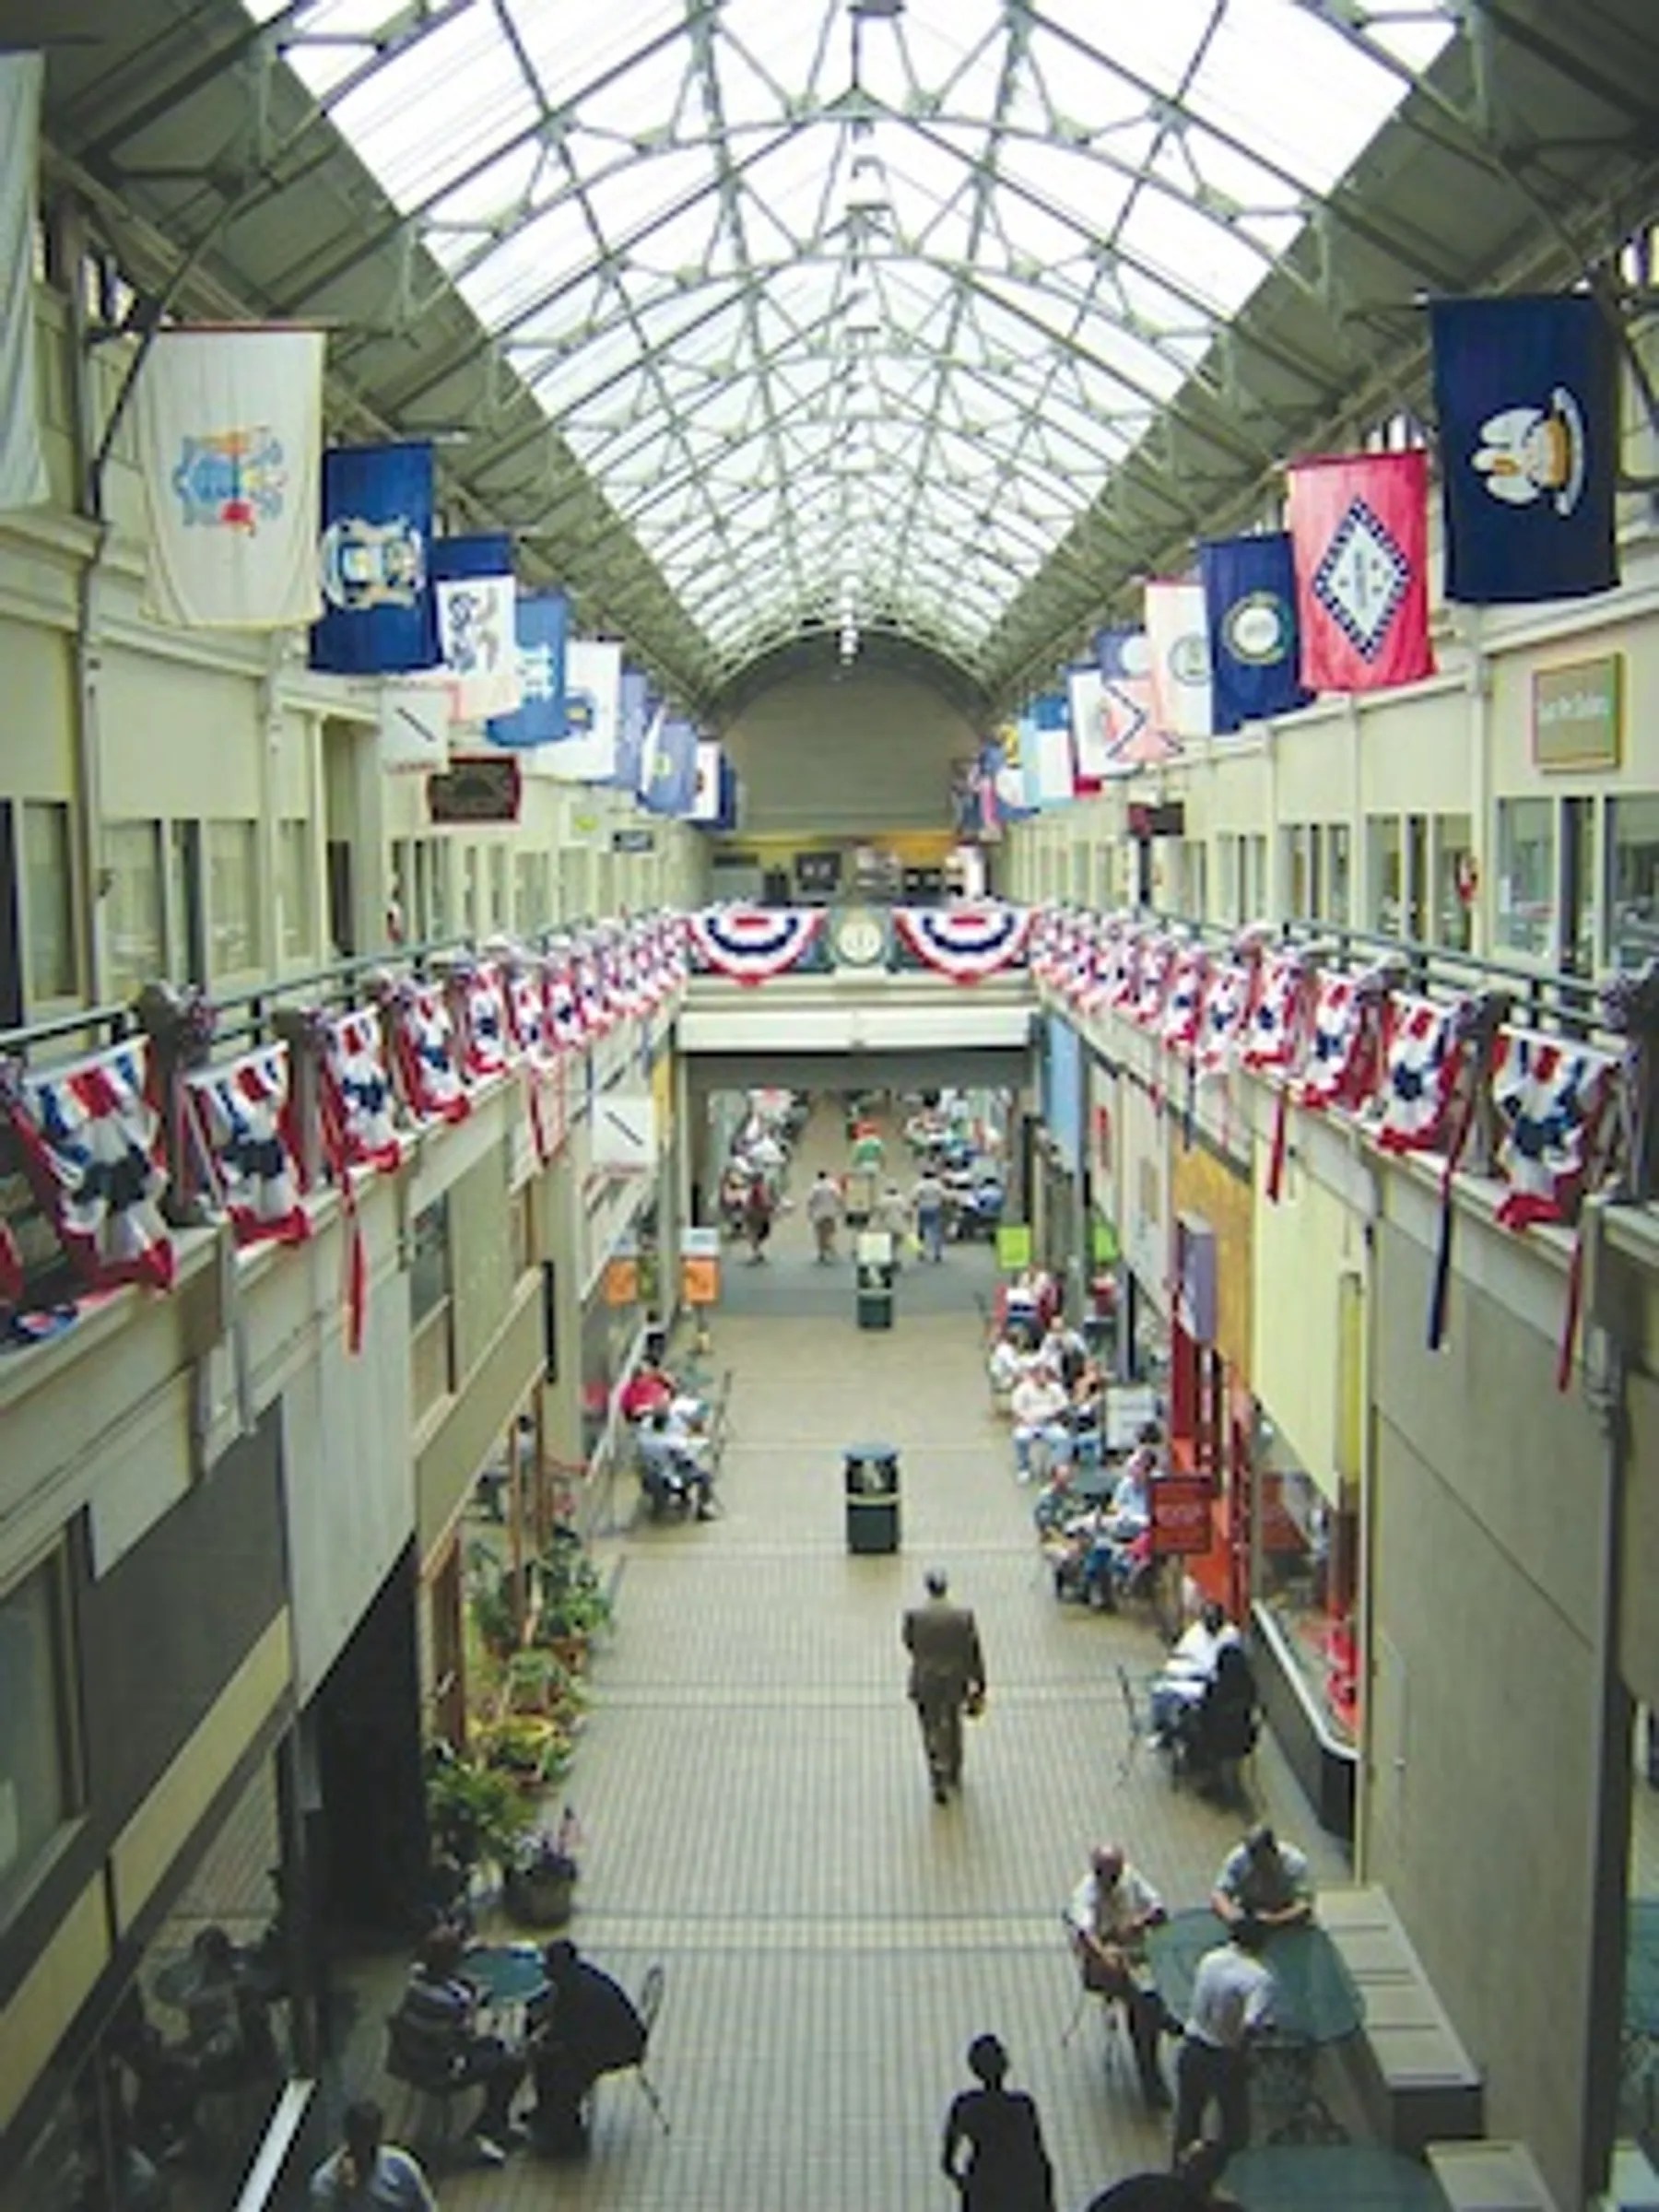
(1578, 714)
(1181, 1515)
(474, 790)
(699, 1266)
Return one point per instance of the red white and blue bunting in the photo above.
(967, 943)
(1420, 1086)
(1226, 1018)
(564, 1010)
(482, 996)
(528, 1010)
(1334, 1071)
(359, 1124)
(1274, 1037)
(1183, 1010)
(1551, 1099)
(240, 1117)
(1156, 968)
(92, 1147)
(423, 1047)
(751, 944)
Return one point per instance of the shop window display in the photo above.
(1305, 1578)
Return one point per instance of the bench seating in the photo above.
(1418, 2082)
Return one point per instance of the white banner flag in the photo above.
(414, 727)
(480, 652)
(22, 462)
(587, 753)
(230, 440)
(1178, 636)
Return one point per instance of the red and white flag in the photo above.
(1177, 641)
(1359, 533)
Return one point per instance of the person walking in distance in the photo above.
(826, 1208)
(947, 1677)
(1006, 2168)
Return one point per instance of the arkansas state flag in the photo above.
(1527, 394)
(1133, 737)
(1250, 600)
(1360, 528)
(1178, 637)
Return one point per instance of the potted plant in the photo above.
(538, 1884)
(476, 1812)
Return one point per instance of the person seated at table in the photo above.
(693, 1443)
(1110, 1912)
(1089, 1402)
(1189, 2186)
(650, 1389)
(1065, 1350)
(1039, 1406)
(1264, 1883)
(1006, 1361)
(437, 2042)
(582, 2024)
(1188, 1667)
(1220, 1727)
(669, 1473)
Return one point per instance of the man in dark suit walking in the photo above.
(946, 1675)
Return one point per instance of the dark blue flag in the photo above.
(668, 775)
(541, 621)
(379, 613)
(1527, 392)
(1250, 608)
(635, 707)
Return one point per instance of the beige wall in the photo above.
(1490, 1494)
(863, 750)
(1302, 1246)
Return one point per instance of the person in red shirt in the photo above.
(647, 1391)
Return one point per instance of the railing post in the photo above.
(179, 1024)
(300, 1029)
(1630, 1007)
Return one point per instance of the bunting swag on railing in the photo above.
(1425, 1057)
(238, 1115)
(1551, 1102)
(359, 1125)
(91, 1147)
(423, 1051)
(1226, 1018)
(483, 1003)
(751, 944)
(1344, 1048)
(1273, 1042)
(564, 1010)
(966, 943)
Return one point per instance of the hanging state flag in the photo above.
(22, 459)
(668, 767)
(541, 622)
(1526, 391)
(1359, 531)
(476, 600)
(1132, 737)
(1050, 777)
(414, 728)
(636, 706)
(586, 752)
(379, 616)
(1178, 651)
(705, 792)
(1086, 698)
(229, 425)
(1250, 606)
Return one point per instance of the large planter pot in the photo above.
(539, 1901)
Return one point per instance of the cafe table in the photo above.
(1359, 2177)
(1315, 2003)
(507, 1977)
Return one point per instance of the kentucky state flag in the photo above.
(1250, 602)
(1359, 530)
(1527, 394)
(472, 578)
(379, 615)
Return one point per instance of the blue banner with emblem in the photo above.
(379, 613)
(668, 771)
(1527, 394)
(1250, 606)
(541, 624)
(635, 710)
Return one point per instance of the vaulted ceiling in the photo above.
(777, 326)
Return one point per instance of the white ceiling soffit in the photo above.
(948, 315)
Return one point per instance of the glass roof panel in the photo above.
(805, 287)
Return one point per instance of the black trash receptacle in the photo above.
(875, 1291)
(872, 1489)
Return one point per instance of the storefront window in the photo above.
(49, 888)
(132, 853)
(294, 886)
(1334, 906)
(1453, 881)
(1305, 1578)
(36, 1767)
(432, 1355)
(1633, 880)
(1386, 866)
(233, 898)
(1526, 876)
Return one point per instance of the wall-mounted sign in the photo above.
(1181, 1514)
(817, 875)
(475, 791)
(1578, 714)
(633, 840)
(699, 1266)
(1168, 819)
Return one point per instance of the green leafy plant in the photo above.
(474, 1810)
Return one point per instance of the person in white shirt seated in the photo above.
(1006, 1362)
(1111, 1911)
(1039, 1409)
(1191, 1667)
(674, 1464)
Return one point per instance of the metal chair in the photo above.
(1133, 1720)
(1118, 2050)
(651, 2003)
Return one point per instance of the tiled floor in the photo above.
(757, 1813)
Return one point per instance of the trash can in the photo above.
(872, 1489)
(875, 1294)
